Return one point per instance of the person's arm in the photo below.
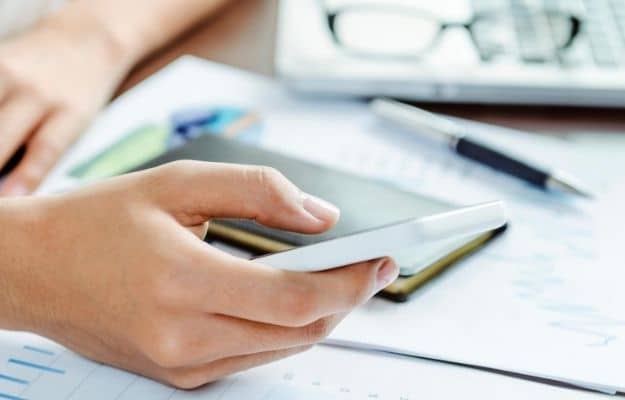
(118, 272)
(55, 77)
(141, 26)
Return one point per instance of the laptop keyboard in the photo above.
(601, 41)
(605, 29)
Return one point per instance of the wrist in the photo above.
(120, 26)
(18, 218)
(79, 23)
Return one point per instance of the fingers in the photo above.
(191, 378)
(20, 113)
(199, 339)
(5, 87)
(228, 190)
(199, 230)
(297, 299)
(247, 290)
(44, 149)
(248, 337)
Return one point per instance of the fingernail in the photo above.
(320, 209)
(15, 189)
(387, 274)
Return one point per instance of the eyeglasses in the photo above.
(403, 32)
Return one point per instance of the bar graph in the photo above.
(13, 379)
(39, 350)
(24, 364)
(8, 396)
(40, 367)
(33, 368)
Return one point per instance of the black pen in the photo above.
(447, 132)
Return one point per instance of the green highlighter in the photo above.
(152, 140)
(139, 146)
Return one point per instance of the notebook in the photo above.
(364, 204)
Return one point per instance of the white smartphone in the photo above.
(382, 241)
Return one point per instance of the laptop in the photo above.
(531, 52)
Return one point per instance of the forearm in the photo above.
(138, 27)
(14, 251)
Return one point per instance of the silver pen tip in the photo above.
(560, 183)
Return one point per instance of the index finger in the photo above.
(5, 89)
(44, 149)
(6, 83)
(19, 115)
(252, 291)
(214, 190)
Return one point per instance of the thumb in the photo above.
(195, 192)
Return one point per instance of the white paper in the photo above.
(322, 373)
(545, 300)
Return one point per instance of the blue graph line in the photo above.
(8, 396)
(13, 379)
(36, 366)
(39, 350)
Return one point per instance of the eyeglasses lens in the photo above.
(385, 33)
(533, 36)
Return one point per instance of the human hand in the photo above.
(117, 271)
(53, 80)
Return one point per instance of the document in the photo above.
(36, 369)
(546, 300)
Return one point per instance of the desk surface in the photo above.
(243, 33)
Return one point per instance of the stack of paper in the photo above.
(545, 300)
(37, 369)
